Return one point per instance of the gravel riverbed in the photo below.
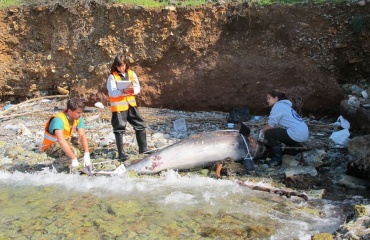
(22, 134)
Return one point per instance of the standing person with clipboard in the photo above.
(123, 105)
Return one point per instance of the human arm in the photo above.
(271, 122)
(64, 144)
(115, 92)
(273, 119)
(112, 87)
(135, 89)
(83, 139)
(85, 145)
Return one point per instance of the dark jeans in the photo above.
(275, 136)
(119, 120)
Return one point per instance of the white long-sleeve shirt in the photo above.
(284, 115)
(113, 91)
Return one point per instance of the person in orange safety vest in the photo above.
(123, 105)
(59, 141)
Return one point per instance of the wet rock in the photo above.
(317, 194)
(359, 117)
(289, 161)
(360, 210)
(359, 148)
(303, 181)
(357, 226)
(354, 183)
(322, 236)
(313, 157)
(300, 170)
(15, 151)
(5, 160)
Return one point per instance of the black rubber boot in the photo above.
(277, 154)
(141, 141)
(249, 165)
(119, 142)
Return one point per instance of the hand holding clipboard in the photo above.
(122, 85)
(125, 87)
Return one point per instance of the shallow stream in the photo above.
(48, 205)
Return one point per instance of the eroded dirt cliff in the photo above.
(212, 57)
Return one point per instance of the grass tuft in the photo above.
(9, 3)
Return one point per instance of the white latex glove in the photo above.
(74, 163)
(261, 135)
(87, 161)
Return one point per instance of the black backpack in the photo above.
(238, 114)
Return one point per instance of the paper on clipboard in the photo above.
(121, 85)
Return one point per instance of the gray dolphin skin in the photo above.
(200, 150)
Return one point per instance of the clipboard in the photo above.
(121, 85)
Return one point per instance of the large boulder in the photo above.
(359, 148)
(357, 112)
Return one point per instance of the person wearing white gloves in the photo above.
(59, 141)
(284, 126)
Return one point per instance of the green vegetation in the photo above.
(8, 3)
(158, 3)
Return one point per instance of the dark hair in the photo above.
(75, 103)
(278, 94)
(118, 61)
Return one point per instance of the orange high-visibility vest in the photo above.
(49, 138)
(121, 103)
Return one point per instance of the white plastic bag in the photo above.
(364, 94)
(341, 121)
(99, 105)
(341, 137)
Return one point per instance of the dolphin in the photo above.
(201, 150)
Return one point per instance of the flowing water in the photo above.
(48, 205)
